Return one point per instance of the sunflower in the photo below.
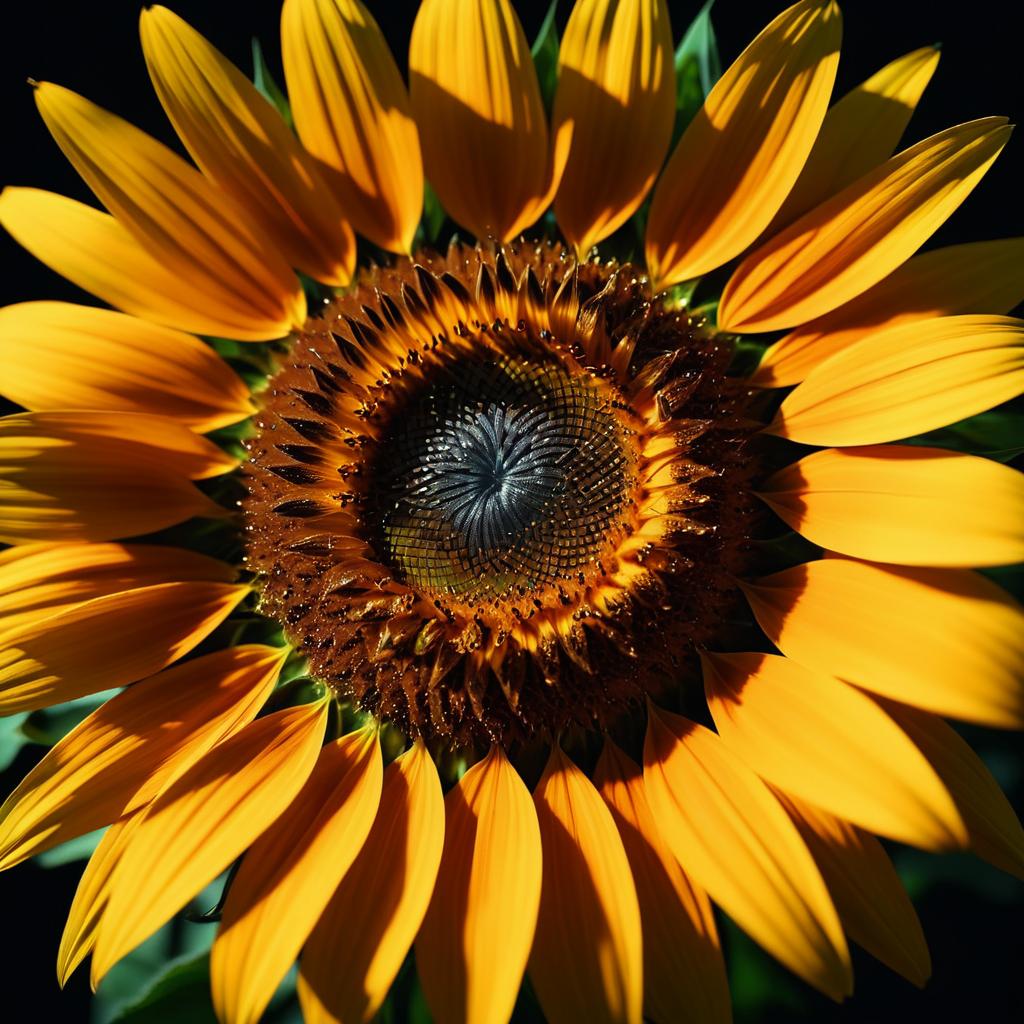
(476, 591)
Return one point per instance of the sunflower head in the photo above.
(499, 492)
(451, 576)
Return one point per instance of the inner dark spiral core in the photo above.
(500, 479)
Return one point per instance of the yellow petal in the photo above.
(482, 125)
(472, 948)
(241, 142)
(375, 912)
(40, 580)
(119, 757)
(616, 86)
(197, 826)
(813, 736)
(352, 112)
(979, 277)
(912, 506)
(744, 150)
(289, 874)
(97, 253)
(947, 640)
(587, 956)
(731, 835)
(906, 380)
(993, 826)
(99, 476)
(859, 132)
(58, 356)
(109, 641)
(91, 897)
(872, 903)
(840, 249)
(684, 973)
(173, 212)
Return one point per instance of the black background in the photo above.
(973, 922)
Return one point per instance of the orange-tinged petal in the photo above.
(91, 897)
(684, 973)
(352, 112)
(859, 132)
(979, 277)
(373, 916)
(616, 86)
(39, 580)
(156, 439)
(109, 641)
(97, 253)
(120, 757)
(993, 826)
(184, 221)
(472, 948)
(906, 380)
(58, 356)
(744, 150)
(587, 956)
(947, 640)
(197, 826)
(242, 143)
(101, 475)
(872, 903)
(842, 247)
(909, 505)
(289, 874)
(825, 742)
(727, 830)
(482, 125)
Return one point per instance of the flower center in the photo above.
(496, 494)
(501, 479)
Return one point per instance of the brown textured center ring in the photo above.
(496, 494)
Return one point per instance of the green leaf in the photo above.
(265, 84)
(545, 57)
(756, 981)
(72, 850)
(180, 992)
(12, 738)
(697, 69)
(997, 434)
(433, 215)
(48, 725)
